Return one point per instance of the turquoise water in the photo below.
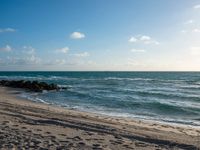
(163, 96)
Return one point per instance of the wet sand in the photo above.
(30, 125)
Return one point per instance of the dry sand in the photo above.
(29, 125)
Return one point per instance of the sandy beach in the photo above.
(30, 125)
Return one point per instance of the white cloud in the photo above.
(148, 40)
(77, 35)
(183, 31)
(33, 60)
(84, 54)
(144, 39)
(29, 50)
(63, 50)
(189, 21)
(195, 51)
(24, 60)
(138, 50)
(7, 30)
(196, 30)
(132, 39)
(197, 6)
(60, 61)
(7, 48)
(27, 57)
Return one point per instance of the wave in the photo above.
(131, 79)
(163, 108)
(192, 87)
(160, 107)
(61, 78)
(32, 97)
(164, 97)
(68, 78)
(147, 117)
(22, 77)
(146, 79)
(38, 77)
(152, 110)
(167, 95)
(64, 86)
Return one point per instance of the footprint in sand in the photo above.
(88, 139)
(48, 132)
(96, 147)
(88, 133)
(29, 131)
(118, 137)
(23, 127)
(128, 146)
(81, 143)
(6, 122)
(38, 130)
(140, 144)
(15, 125)
(62, 134)
(101, 133)
(77, 138)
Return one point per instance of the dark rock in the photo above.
(30, 85)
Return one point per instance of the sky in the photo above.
(99, 35)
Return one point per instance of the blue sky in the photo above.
(106, 35)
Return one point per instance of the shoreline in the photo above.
(168, 121)
(75, 129)
(172, 122)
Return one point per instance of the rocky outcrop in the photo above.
(30, 85)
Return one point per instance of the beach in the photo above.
(100, 75)
(31, 125)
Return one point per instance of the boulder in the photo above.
(30, 85)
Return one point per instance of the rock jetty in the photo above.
(30, 85)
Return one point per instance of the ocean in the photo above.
(170, 97)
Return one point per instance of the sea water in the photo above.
(172, 97)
